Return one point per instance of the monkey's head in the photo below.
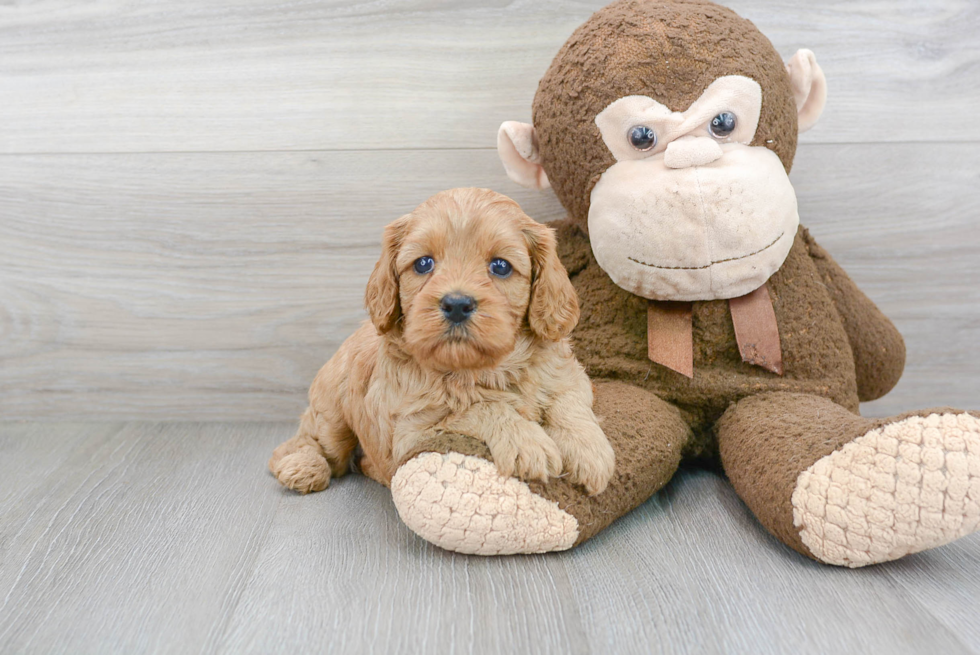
(667, 129)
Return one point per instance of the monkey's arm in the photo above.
(879, 350)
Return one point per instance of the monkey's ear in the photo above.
(381, 294)
(809, 87)
(517, 145)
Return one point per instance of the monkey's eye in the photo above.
(722, 125)
(500, 267)
(424, 265)
(642, 137)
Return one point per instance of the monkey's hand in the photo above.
(879, 350)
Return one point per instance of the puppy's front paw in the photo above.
(589, 459)
(303, 471)
(527, 452)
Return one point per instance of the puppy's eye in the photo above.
(642, 137)
(501, 267)
(424, 265)
(722, 125)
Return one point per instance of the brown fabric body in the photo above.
(837, 348)
(611, 340)
(767, 440)
(647, 435)
(654, 416)
(774, 427)
(878, 348)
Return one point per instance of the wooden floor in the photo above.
(169, 538)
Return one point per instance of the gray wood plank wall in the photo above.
(191, 194)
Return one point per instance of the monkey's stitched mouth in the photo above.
(720, 261)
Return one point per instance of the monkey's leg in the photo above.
(449, 492)
(851, 491)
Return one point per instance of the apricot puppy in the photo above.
(470, 309)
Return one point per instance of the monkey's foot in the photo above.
(901, 488)
(461, 503)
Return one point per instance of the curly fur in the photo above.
(506, 377)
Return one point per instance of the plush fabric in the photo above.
(875, 490)
(765, 441)
(517, 145)
(694, 243)
(785, 437)
(809, 87)
(900, 488)
(736, 93)
(610, 340)
(670, 51)
(878, 348)
(488, 514)
(647, 435)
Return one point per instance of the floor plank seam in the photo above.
(270, 151)
(216, 638)
(909, 599)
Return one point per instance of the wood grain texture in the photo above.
(213, 286)
(693, 569)
(191, 198)
(909, 234)
(196, 286)
(936, 581)
(133, 538)
(172, 538)
(343, 574)
(347, 74)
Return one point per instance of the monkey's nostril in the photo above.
(457, 308)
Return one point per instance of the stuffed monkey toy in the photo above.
(713, 325)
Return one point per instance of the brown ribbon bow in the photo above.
(670, 339)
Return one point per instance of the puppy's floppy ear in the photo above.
(381, 295)
(553, 310)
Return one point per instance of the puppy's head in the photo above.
(461, 276)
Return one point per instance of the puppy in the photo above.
(470, 308)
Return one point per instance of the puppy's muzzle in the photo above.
(457, 308)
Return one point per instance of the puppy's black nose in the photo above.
(457, 307)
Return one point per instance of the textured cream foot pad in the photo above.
(899, 489)
(461, 503)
